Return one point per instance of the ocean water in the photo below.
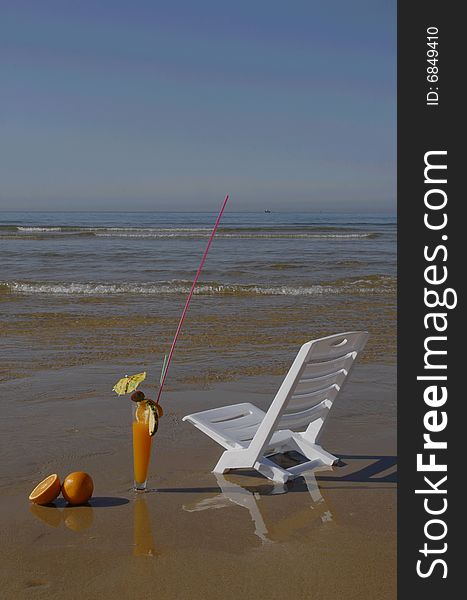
(76, 288)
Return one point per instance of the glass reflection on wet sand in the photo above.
(143, 541)
(81, 518)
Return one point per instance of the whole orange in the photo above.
(77, 487)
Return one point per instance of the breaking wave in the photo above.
(38, 229)
(239, 235)
(305, 232)
(374, 284)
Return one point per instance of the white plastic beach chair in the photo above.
(296, 415)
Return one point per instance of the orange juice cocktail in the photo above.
(142, 442)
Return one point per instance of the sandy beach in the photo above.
(87, 298)
(193, 535)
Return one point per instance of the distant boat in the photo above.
(267, 211)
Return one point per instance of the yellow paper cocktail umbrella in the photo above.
(128, 384)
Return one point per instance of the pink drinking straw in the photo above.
(166, 368)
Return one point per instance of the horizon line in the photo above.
(325, 212)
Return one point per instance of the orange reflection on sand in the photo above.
(50, 515)
(76, 518)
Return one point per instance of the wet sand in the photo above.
(253, 336)
(328, 535)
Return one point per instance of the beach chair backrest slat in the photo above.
(310, 386)
(340, 349)
(304, 401)
(323, 368)
(301, 420)
(336, 346)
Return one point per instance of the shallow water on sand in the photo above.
(78, 288)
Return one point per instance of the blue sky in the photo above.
(148, 105)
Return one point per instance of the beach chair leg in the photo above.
(232, 459)
(235, 459)
(272, 471)
(314, 451)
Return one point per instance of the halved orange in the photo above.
(46, 491)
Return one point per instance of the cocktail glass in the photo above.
(142, 443)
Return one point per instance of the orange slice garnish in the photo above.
(142, 412)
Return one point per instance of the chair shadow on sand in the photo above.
(381, 469)
(247, 490)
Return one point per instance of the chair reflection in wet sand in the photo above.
(250, 497)
(270, 526)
